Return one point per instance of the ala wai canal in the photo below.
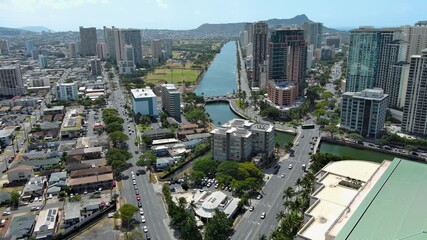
(220, 79)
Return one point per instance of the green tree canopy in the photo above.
(14, 199)
(147, 159)
(117, 154)
(118, 137)
(126, 213)
(219, 227)
(206, 165)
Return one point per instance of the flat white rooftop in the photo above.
(142, 93)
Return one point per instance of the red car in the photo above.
(138, 197)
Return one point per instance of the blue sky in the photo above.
(64, 15)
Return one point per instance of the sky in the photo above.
(68, 15)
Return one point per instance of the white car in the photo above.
(145, 229)
(141, 211)
(283, 175)
(263, 215)
(290, 166)
(142, 219)
(134, 182)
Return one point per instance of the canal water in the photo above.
(220, 79)
(352, 152)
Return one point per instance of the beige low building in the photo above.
(22, 173)
(339, 185)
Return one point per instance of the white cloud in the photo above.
(161, 3)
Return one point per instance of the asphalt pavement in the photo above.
(251, 226)
(155, 213)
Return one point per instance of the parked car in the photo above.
(145, 228)
(6, 213)
(142, 219)
(290, 166)
(263, 215)
(251, 208)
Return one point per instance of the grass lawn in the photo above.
(162, 75)
(142, 128)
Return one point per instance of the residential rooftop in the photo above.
(142, 93)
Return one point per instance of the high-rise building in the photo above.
(111, 36)
(4, 47)
(416, 39)
(333, 41)
(167, 45)
(282, 93)
(144, 101)
(288, 58)
(364, 112)
(38, 51)
(156, 48)
(95, 67)
(102, 51)
(326, 53)
(88, 41)
(66, 91)
(415, 110)
(43, 63)
(260, 34)
(72, 50)
(132, 37)
(372, 53)
(240, 140)
(29, 46)
(249, 27)
(313, 33)
(11, 83)
(171, 101)
(127, 65)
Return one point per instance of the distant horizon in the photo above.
(68, 15)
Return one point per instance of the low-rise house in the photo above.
(41, 164)
(91, 183)
(72, 214)
(87, 153)
(21, 173)
(163, 163)
(6, 136)
(158, 133)
(91, 172)
(47, 223)
(198, 136)
(21, 227)
(54, 110)
(34, 188)
(57, 182)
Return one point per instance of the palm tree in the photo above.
(288, 194)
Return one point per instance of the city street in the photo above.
(251, 226)
(155, 213)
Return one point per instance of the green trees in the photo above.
(219, 227)
(147, 159)
(244, 177)
(206, 165)
(117, 159)
(319, 160)
(118, 138)
(181, 217)
(296, 202)
(14, 199)
(126, 213)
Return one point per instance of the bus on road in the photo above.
(307, 126)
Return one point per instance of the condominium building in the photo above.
(102, 51)
(11, 83)
(88, 41)
(415, 110)
(364, 112)
(156, 48)
(313, 33)
(333, 41)
(326, 53)
(171, 101)
(127, 64)
(282, 93)
(131, 37)
(240, 140)
(144, 101)
(111, 36)
(66, 91)
(43, 61)
(260, 35)
(167, 46)
(29, 46)
(287, 62)
(96, 67)
(72, 50)
(374, 57)
(416, 37)
(4, 47)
